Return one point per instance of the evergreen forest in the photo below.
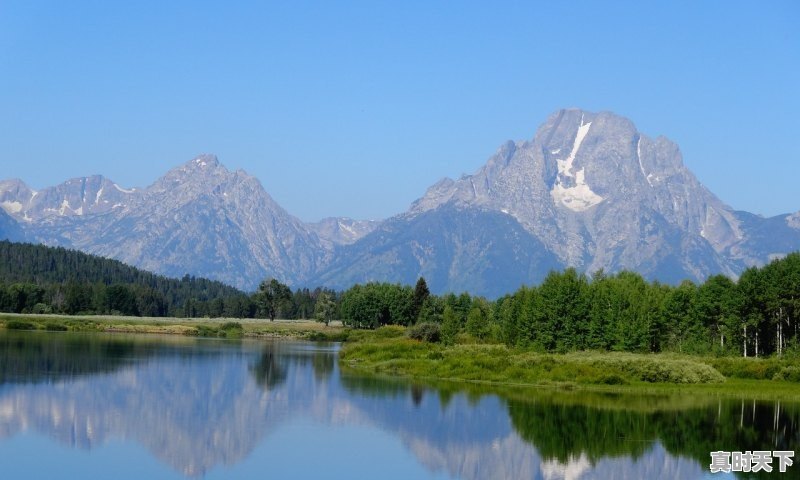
(755, 315)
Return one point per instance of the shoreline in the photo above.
(190, 327)
(387, 354)
(733, 388)
(390, 355)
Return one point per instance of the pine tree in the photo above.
(421, 294)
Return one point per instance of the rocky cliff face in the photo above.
(588, 190)
(599, 194)
(595, 193)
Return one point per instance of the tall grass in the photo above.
(179, 326)
(497, 363)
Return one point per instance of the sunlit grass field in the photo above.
(247, 327)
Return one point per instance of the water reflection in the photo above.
(200, 404)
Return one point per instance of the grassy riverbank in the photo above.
(388, 352)
(205, 327)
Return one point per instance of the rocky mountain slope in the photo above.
(342, 230)
(588, 190)
(199, 219)
(9, 229)
(592, 192)
(455, 249)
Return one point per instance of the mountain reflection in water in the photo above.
(199, 404)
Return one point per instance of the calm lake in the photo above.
(117, 406)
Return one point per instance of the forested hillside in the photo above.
(41, 279)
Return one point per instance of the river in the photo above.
(120, 406)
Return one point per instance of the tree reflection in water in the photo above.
(268, 370)
(197, 404)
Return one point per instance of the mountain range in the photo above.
(587, 191)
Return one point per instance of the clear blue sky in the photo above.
(355, 108)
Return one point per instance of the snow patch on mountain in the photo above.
(641, 165)
(578, 196)
(64, 207)
(794, 220)
(11, 207)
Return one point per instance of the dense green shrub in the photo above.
(336, 336)
(41, 308)
(20, 325)
(206, 331)
(656, 369)
(612, 379)
(425, 332)
(231, 330)
(752, 368)
(389, 332)
(788, 374)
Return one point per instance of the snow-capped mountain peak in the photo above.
(588, 191)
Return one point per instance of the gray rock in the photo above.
(342, 230)
(455, 249)
(9, 228)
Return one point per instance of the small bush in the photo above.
(752, 368)
(592, 367)
(340, 336)
(231, 330)
(661, 370)
(389, 331)
(426, 332)
(205, 331)
(612, 379)
(20, 325)
(788, 374)
(55, 327)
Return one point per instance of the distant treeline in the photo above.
(754, 316)
(41, 279)
(757, 315)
